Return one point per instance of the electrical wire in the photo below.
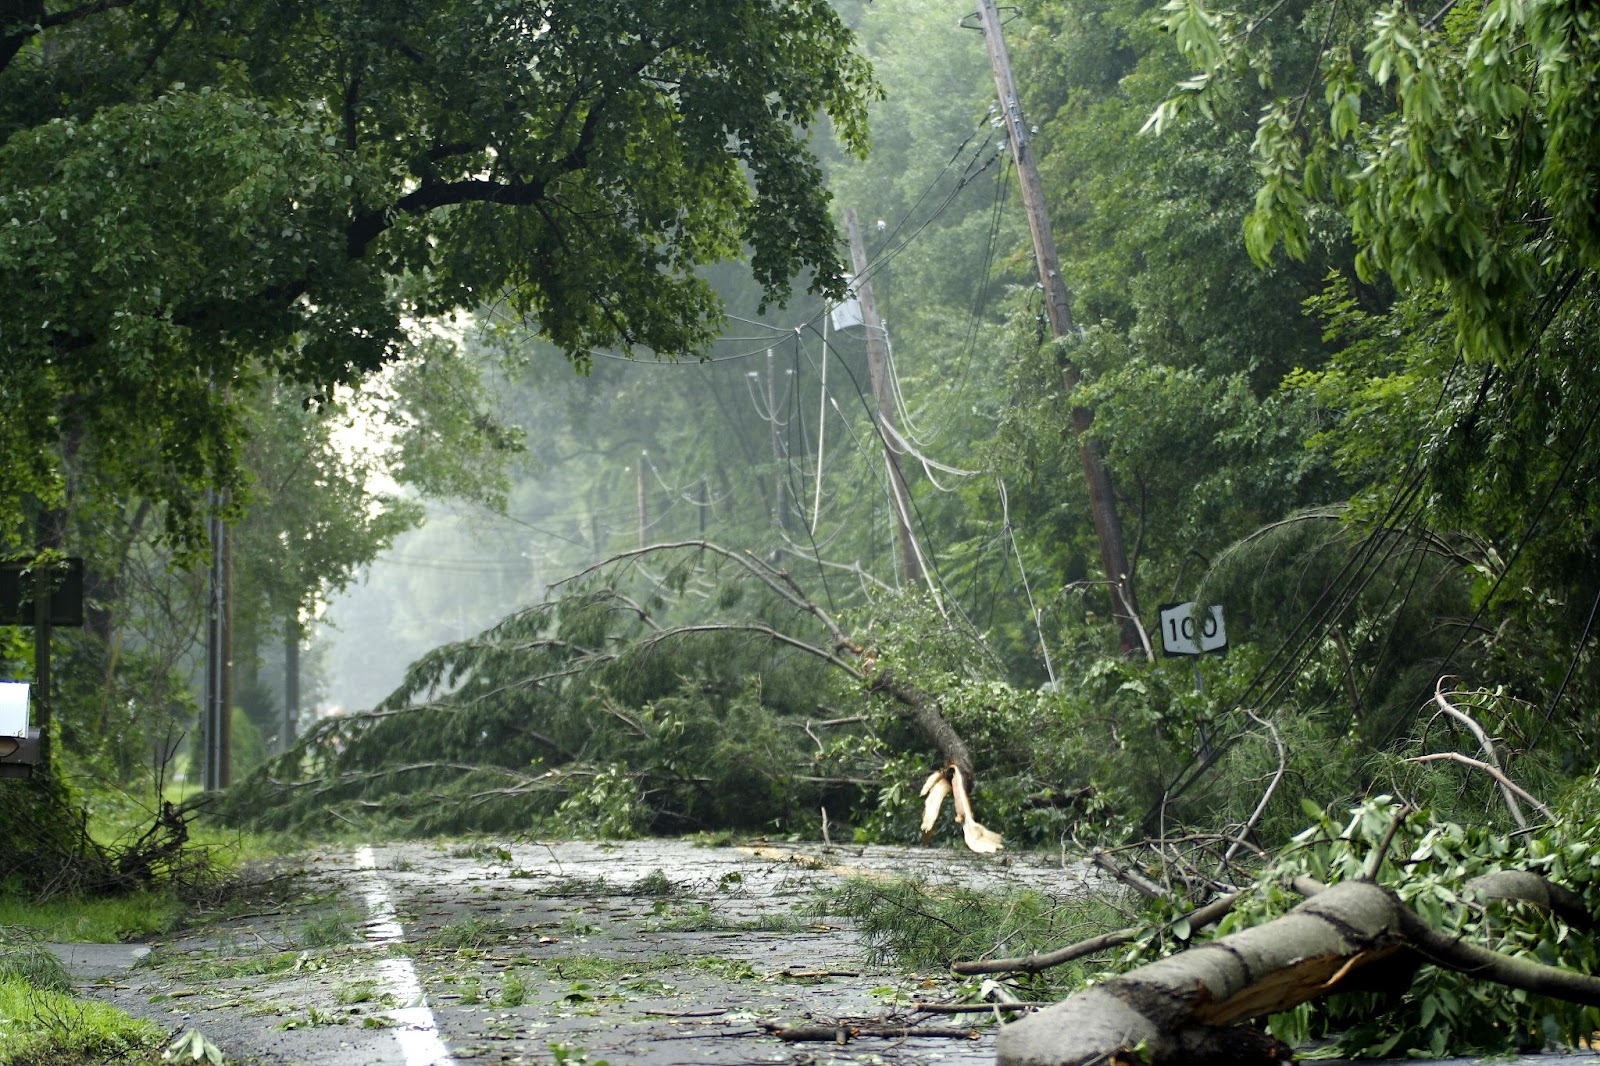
(1033, 608)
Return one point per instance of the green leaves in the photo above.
(1440, 149)
(248, 199)
(1197, 32)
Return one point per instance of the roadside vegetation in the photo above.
(43, 1024)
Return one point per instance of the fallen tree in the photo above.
(1470, 939)
(675, 687)
(1186, 1008)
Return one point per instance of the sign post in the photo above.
(1185, 636)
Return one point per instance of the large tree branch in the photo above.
(430, 196)
(63, 18)
(1184, 1008)
(924, 714)
(1523, 886)
(779, 581)
(921, 709)
(1199, 918)
(511, 192)
(23, 20)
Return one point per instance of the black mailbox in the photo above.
(19, 755)
(19, 744)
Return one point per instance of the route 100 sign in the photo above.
(1184, 634)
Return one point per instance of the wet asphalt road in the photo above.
(643, 953)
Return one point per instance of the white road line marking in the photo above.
(417, 1034)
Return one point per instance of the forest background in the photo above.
(1334, 269)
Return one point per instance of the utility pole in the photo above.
(291, 678)
(226, 688)
(705, 505)
(214, 731)
(640, 497)
(1102, 498)
(877, 361)
(43, 699)
(822, 422)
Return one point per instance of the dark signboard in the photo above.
(66, 594)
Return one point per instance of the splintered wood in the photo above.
(949, 782)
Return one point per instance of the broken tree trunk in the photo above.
(924, 714)
(1184, 1008)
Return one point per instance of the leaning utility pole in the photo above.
(1102, 499)
(877, 360)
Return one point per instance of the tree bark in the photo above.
(1520, 886)
(924, 714)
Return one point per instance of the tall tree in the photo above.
(195, 197)
(1459, 148)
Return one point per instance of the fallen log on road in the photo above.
(1187, 1008)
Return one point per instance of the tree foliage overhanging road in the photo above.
(227, 226)
(197, 195)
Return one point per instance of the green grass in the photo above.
(230, 969)
(93, 921)
(700, 918)
(924, 927)
(354, 992)
(330, 929)
(475, 933)
(44, 1028)
(118, 817)
(33, 964)
(599, 968)
(654, 883)
(726, 969)
(514, 991)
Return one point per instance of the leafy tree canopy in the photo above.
(193, 197)
(1461, 146)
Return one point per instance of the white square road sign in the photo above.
(1184, 634)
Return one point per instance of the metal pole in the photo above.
(1102, 497)
(822, 420)
(211, 714)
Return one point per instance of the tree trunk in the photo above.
(923, 713)
(1183, 1009)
